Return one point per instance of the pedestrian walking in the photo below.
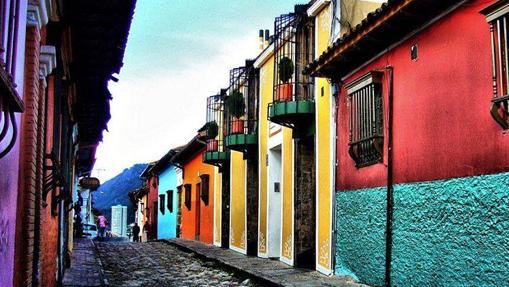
(103, 223)
(136, 233)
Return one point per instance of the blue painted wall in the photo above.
(167, 222)
(360, 235)
(446, 233)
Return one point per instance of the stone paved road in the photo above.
(158, 264)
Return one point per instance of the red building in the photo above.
(151, 179)
(422, 149)
(196, 193)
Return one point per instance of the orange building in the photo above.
(195, 193)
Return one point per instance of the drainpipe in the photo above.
(390, 187)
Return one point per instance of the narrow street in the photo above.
(150, 264)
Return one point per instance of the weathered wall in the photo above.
(360, 234)
(452, 232)
(152, 205)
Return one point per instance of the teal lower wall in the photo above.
(445, 233)
(360, 235)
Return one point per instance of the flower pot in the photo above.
(212, 145)
(237, 126)
(285, 92)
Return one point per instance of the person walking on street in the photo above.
(103, 223)
(136, 232)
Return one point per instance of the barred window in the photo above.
(161, 203)
(366, 119)
(204, 188)
(187, 196)
(497, 15)
(169, 194)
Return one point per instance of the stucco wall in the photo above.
(452, 232)
(360, 234)
(167, 222)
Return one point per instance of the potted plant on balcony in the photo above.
(237, 108)
(285, 69)
(212, 131)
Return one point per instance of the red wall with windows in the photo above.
(153, 206)
(442, 127)
(192, 171)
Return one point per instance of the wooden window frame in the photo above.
(205, 188)
(187, 195)
(169, 203)
(161, 203)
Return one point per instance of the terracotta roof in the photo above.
(191, 149)
(383, 27)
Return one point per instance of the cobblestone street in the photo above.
(159, 264)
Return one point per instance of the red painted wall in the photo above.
(442, 127)
(153, 185)
(192, 171)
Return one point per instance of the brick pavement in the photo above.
(272, 272)
(85, 266)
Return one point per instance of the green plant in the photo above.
(285, 68)
(212, 130)
(236, 104)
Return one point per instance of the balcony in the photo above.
(216, 154)
(242, 136)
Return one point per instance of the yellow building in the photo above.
(278, 180)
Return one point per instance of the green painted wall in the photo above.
(360, 234)
(446, 233)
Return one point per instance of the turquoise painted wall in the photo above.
(446, 233)
(360, 234)
(167, 222)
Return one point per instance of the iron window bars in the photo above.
(294, 48)
(187, 195)
(497, 17)
(161, 203)
(216, 116)
(366, 119)
(241, 81)
(10, 102)
(169, 203)
(204, 188)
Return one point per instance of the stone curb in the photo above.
(102, 276)
(267, 281)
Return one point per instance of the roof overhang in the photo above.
(380, 30)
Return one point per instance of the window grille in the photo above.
(187, 196)
(204, 188)
(366, 120)
(216, 116)
(169, 195)
(294, 50)
(497, 17)
(161, 203)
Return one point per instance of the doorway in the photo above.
(225, 206)
(274, 203)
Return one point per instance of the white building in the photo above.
(119, 220)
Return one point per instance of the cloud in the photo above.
(164, 109)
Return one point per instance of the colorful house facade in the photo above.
(169, 178)
(421, 124)
(151, 204)
(195, 193)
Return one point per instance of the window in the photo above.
(497, 15)
(187, 196)
(204, 188)
(161, 203)
(169, 194)
(366, 119)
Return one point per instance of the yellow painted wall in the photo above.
(287, 197)
(266, 90)
(324, 152)
(238, 201)
(217, 206)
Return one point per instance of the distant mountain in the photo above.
(115, 191)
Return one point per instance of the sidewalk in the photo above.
(86, 269)
(270, 271)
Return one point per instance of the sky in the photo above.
(179, 52)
